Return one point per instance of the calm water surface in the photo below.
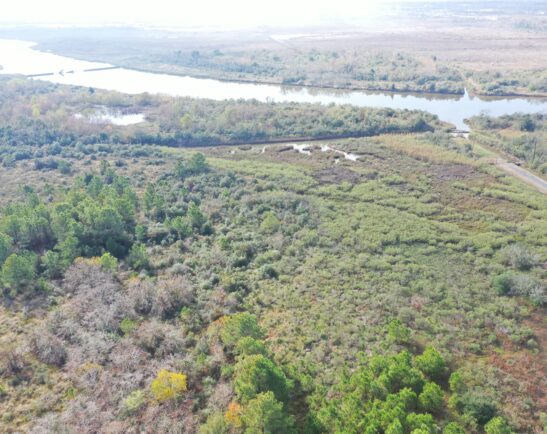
(18, 57)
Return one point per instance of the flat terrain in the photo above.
(353, 244)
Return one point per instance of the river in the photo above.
(19, 57)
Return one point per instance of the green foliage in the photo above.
(195, 165)
(453, 428)
(127, 326)
(270, 223)
(5, 247)
(265, 415)
(398, 332)
(520, 284)
(497, 425)
(519, 135)
(94, 217)
(238, 326)
(520, 257)
(431, 398)
(54, 264)
(479, 406)
(248, 346)
(108, 262)
(420, 423)
(456, 383)
(180, 226)
(395, 427)
(381, 396)
(431, 363)
(527, 124)
(503, 283)
(215, 424)
(256, 374)
(133, 402)
(19, 271)
(195, 217)
(138, 257)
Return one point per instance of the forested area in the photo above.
(38, 113)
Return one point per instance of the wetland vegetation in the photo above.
(180, 265)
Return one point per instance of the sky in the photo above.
(187, 12)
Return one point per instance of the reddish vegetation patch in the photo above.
(530, 370)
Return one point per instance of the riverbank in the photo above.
(449, 108)
(372, 89)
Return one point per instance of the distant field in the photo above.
(489, 50)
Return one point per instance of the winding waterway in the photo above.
(18, 57)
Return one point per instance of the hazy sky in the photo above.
(185, 12)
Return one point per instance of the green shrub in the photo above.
(127, 326)
(395, 427)
(248, 346)
(19, 271)
(264, 414)
(215, 424)
(398, 332)
(108, 262)
(138, 257)
(431, 398)
(497, 425)
(453, 428)
(270, 223)
(133, 402)
(431, 363)
(53, 264)
(422, 422)
(256, 374)
(520, 257)
(238, 326)
(5, 247)
(479, 406)
(502, 284)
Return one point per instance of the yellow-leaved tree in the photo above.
(168, 385)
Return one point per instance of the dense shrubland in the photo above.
(153, 336)
(256, 290)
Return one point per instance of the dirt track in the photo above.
(523, 175)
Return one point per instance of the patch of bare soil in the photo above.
(337, 175)
(452, 172)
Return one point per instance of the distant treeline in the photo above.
(38, 113)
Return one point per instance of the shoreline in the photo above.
(209, 76)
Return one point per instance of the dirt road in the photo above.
(523, 175)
